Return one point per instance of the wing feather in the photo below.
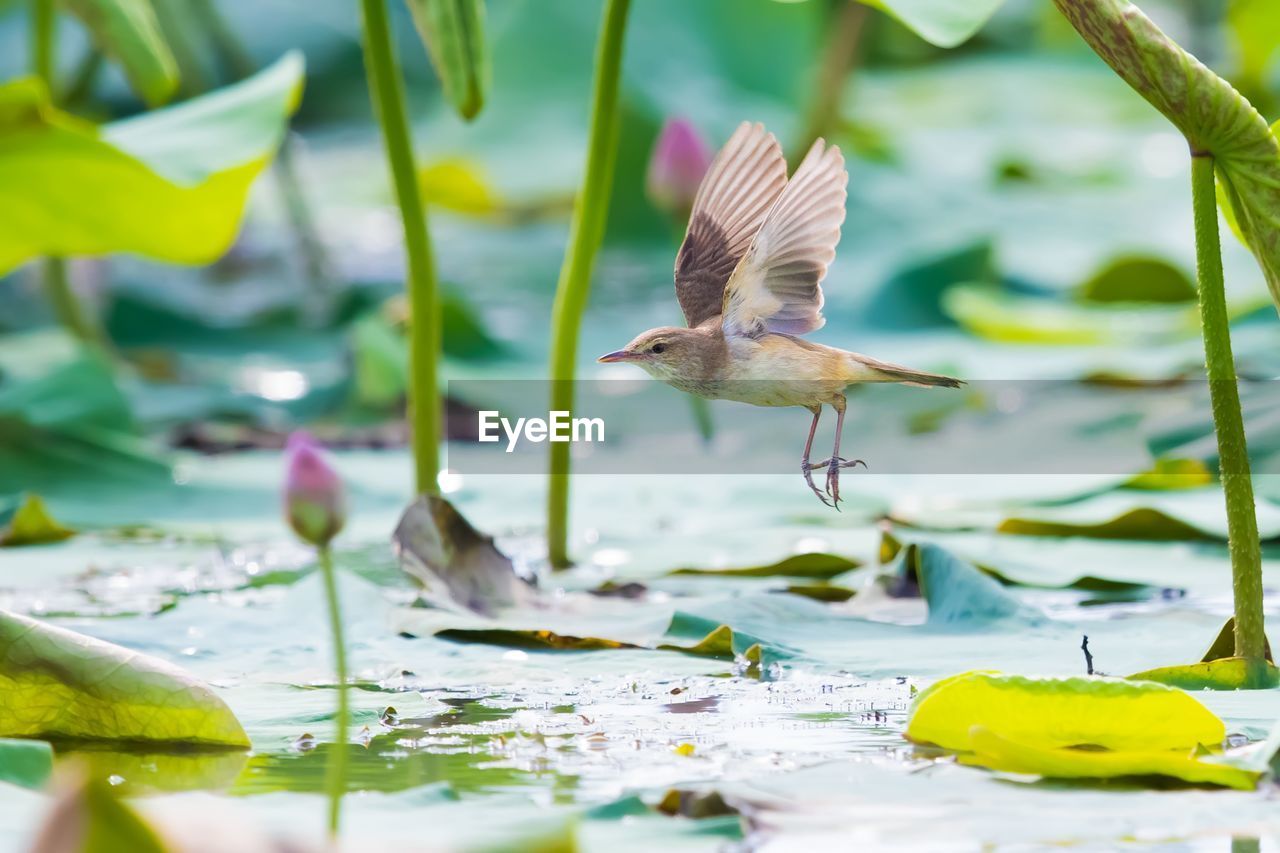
(744, 181)
(777, 286)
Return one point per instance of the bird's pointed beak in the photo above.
(619, 355)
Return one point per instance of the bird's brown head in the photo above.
(664, 353)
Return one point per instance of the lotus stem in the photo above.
(336, 767)
(53, 272)
(1233, 452)
(387, 92)
(585, 235)
(43, 31)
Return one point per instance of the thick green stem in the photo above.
(57, 286)
(336, 770)
(585, 235)
(43, 30)
(387, 92)
(1233, 453)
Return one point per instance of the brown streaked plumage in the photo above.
(748, 278)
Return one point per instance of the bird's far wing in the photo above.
(777, 285)
(743, 182)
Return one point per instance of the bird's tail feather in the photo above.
(873, 370)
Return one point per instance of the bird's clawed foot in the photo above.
(833, 466)
(807, 468)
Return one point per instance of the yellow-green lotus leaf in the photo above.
(56, 684)
(998, 753)
(1059, 712)
(169, 185)
(32, 524)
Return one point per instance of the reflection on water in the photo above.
(135, 773)
(471, 748)
(616, 735)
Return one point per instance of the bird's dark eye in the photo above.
(659, 349)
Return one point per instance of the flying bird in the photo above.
(748, 278)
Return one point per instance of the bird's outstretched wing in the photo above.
(776, 287)
(744, 181)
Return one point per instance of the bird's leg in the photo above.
(835, 463)
(805, 467)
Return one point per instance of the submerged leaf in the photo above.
(815, 566)
(31, 524)
(1001, 315)
(128, 31)
(531, 639)
(28, 763)
(1061, 712)
(1216, 119)
(822, 592)
(1140, 523)
(169, 185)
(456, 564)
(998, 753)
(55, 683)
(1138, 278)
(697, 805)
(454, 33)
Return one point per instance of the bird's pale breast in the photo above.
(777, 370)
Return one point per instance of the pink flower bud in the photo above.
(680, 158)
(314, 498)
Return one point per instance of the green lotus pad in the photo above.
(57, 684)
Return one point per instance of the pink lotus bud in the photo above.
(680, 158)
(314, 498)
